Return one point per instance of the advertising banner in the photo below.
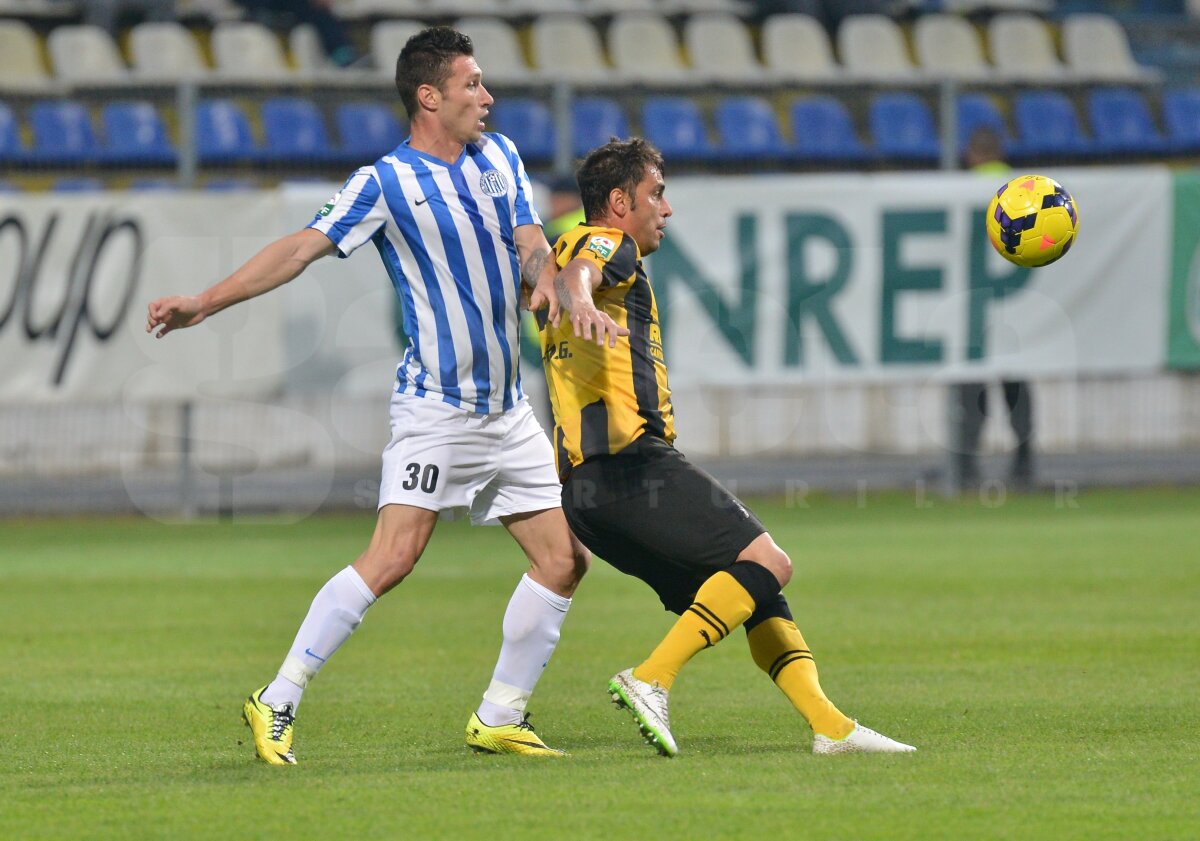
(1183, 348)
(865, 277)
(77, 273)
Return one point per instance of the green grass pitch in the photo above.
(1043, 654)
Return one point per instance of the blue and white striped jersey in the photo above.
(445, 233)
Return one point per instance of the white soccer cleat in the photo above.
(860, 740)
(648, 703)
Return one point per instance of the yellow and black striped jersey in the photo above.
(604, 398)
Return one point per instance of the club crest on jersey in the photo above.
(602, 246)
(328, 208)
(493, 183)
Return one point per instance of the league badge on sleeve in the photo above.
(329, 205)
(602, 246)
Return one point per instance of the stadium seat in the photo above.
(902, 127)
(134, 135)
(294, 132)
(823, 131)
(1122, 124)
(1021, 47)
(154, 185)
(387, 39)
(644, 48)
(797, 48)
(749, 130)
(85, 54)
(949, 46)
(568, 47)
(976, 111)
(676, 126)
(594, 120)
(720, 49)
(367, 130)
(307, 52)
(248, 51)
(497, 49)
(223, 134)
(11, 148)
(165, 51)
(1181, 117)
(872, 47)
(22, 65)
(77, 184)
(1096, 47)
(528, 124)
(1047, 126)
(62, 133)
(223, 185)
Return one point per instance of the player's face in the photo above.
(465, 101)
(649, 212)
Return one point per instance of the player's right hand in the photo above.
(171, 313)
(585, 320)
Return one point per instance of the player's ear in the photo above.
(618, 201)
(428, 97)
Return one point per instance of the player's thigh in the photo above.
(557, 558)
(437, 457)
(525, 479)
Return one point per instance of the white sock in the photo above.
(336, 611)
(531, 630)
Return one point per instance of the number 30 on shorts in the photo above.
(426, 476)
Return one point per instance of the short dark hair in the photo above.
(426, 60)
(617, 164)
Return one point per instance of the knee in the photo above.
(383, 568)
(766, 553)
(563, 569)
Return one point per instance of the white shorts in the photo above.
(442, 458)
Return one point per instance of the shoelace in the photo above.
(281, 720)
(525, 725)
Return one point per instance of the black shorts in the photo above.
(652, 514)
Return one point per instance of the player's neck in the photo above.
(436, 143)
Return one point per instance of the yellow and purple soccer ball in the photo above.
(1032, 221)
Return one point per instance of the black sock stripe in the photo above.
(716, 627)
(712, 617)
(776, 671)
(786, 654)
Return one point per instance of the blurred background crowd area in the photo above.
(163, 94)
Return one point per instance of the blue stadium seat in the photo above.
(1047, 126)
(223, 134)
(153, 185)
(62, 133)
(367, 130)
(77, 184)
(824, 131)
(676, 126)
(1121, 123)
(226, 185)
(977, 111)
(294, 132)
(1181, 117)
(748, 129)
(594, 121)
(528, 124)
(134, 134)
(11, 147)
(903, 129)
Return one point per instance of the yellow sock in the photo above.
(721, 605)
(779, 649)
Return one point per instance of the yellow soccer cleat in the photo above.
(507, 738)
(272, 729)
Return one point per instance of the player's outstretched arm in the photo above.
(274, 266)
(574, 286)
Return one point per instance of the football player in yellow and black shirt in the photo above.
(628, 494)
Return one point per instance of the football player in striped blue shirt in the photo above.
(450, 212)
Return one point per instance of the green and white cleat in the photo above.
(860, 740)
(648, 704)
